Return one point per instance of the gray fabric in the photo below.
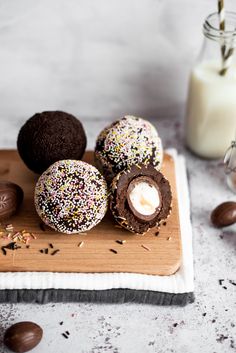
(43, 296)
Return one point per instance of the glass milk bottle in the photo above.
(211, 106)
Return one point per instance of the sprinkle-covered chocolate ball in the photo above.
(49, 137)
(140, 198)
(71, 196)
(127, 141)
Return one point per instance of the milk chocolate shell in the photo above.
(140, 198)
(49, 137)
(71, 196)
(128, 141)
(11, 197)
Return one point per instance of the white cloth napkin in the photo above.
(180, 282)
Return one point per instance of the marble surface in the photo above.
(207, 326)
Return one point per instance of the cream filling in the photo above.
(145, 198)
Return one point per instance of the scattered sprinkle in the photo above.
(41, 250)
(61, 323)
(55, 252)
(221, 281)
(146, 247)
(114, 251)
(221, 338)
(157, 233)
(81, 244)
(9, 228)
(68, 333)
(22, 236)
(175, 324)
(224, 287)
(232, 282)
(46, 251)
(10, 246)
(164, 223)
(169, 238)
(204, 314)
(65, 335)
(121, 241)
(3, 251)
(50, 245)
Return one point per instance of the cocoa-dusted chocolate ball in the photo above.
(49, 137)
(140, 198)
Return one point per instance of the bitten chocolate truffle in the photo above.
(49, 137)
(71, 196)
(140, 198)
(127, 141)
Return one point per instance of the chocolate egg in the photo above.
(224, 215)
(11, 197)
(23, 336)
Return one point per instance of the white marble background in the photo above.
(97, 59)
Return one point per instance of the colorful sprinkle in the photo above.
(71, 196)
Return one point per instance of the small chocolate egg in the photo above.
(11, 197)
(23, 336)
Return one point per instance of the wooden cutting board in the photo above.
(163, 258)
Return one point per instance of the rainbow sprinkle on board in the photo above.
(71, 196)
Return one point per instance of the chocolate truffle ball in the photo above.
(127, 141)
(71, 196)
(140, 198)
(49, 137)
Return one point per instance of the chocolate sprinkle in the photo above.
(11, 246)
(120, 242)
(3, 251)
(51, 246)
(114, 251)
(65, 335)
(55, 252)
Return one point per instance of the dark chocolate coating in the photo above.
(49, 137)
(11, 197)
(119, 203)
